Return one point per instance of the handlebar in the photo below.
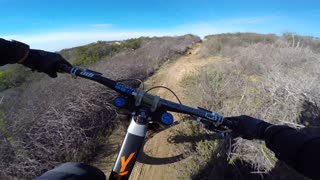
(145, 99)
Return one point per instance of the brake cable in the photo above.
(164, 87)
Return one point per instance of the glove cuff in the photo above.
(21, 51)
(263, 126)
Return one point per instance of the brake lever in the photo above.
(211, 127)
(223, 132)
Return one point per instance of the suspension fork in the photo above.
(130, 147)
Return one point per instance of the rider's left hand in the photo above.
(44, 61)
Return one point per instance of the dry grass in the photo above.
(271, 80)
(56, 120)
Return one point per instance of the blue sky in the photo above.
(53, 25)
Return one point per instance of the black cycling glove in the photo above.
(73, 171)
(43, 61)
(248, 127)
(17, 52)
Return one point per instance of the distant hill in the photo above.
(93, 52)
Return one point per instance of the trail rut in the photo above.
(160, 158)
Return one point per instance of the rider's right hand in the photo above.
(248, 127)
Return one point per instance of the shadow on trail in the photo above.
(146, 159)
(155, 128)
(193, 139)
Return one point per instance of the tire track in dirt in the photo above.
(160, 157)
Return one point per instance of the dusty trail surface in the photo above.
(160, 158)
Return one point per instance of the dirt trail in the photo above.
(160, 157)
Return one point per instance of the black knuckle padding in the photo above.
(46, 62)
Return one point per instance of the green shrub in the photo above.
(94, 52)
(13, 76)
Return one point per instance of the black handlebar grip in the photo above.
(63, 68)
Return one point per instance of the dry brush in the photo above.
(269, 79)
(52, 121)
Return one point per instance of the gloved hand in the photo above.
(248, 127)
(43, 61)
(73, 170)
